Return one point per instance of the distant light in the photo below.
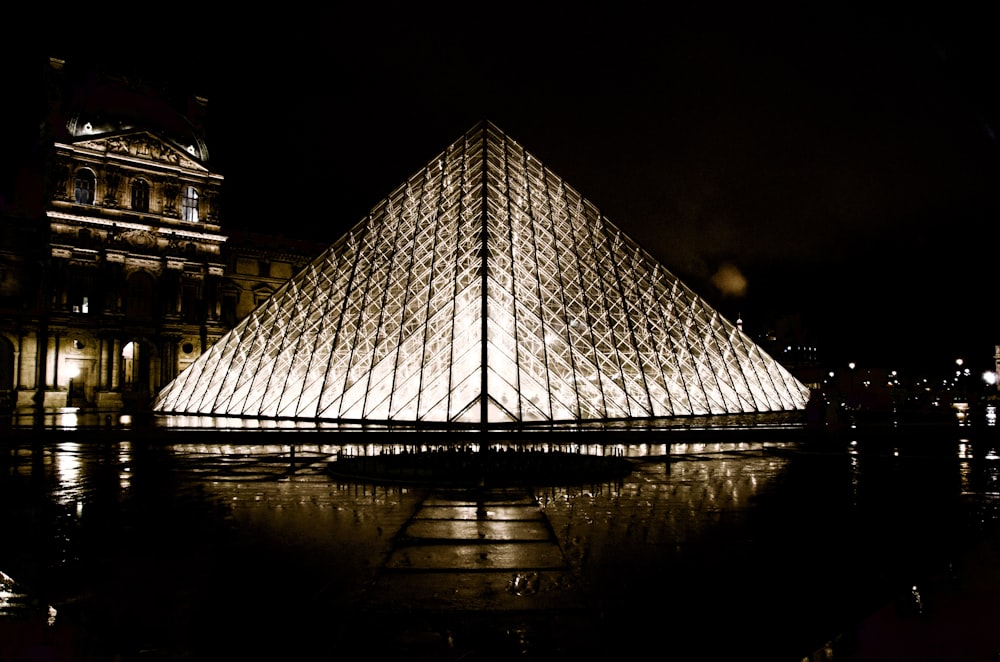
(990, 377)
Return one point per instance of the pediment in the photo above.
(145, 145)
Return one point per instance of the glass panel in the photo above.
(387, 324)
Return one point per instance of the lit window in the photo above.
(189, 205)
(78, 288)
(140, 195)
(84, 191)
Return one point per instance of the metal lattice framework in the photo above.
(484, 290)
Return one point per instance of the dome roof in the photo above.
(97, 104)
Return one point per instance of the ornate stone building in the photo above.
(121, 279)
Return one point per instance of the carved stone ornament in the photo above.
(170, 192)
(144, 147)
(112, 181)
(60, 178)
(139, 238)
(120, 145)
(134, 264)
(213, 204)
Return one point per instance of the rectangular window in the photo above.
(84, 190)
(78, 291)
(140, 195)
(189, 204)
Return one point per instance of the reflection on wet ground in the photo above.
(226, 551)
(471, 549)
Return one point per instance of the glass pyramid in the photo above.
(483, 291)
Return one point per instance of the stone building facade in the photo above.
(121, 277)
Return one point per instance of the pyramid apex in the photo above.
(483, 292)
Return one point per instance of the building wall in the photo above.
(124, 278)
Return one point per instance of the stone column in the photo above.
(116, 364)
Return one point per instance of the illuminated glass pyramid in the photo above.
(483, 291)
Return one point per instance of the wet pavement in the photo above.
(207, 551)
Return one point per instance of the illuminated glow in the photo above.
(14, 602)
(122, 224)
(484, 290)
(68, 469)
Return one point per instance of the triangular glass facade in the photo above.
(484, 290)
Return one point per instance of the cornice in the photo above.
(119, 224)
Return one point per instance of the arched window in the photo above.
(189, 204)
(83, 192)
(140, 195)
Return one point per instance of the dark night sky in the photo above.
(844, 164)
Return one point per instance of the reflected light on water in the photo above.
(125, 458)
(7, 593)
(703, 502)
(67, 462)
(964, 449)
(855, 473)
(965, 465)
(15, 603)
(961, 413)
